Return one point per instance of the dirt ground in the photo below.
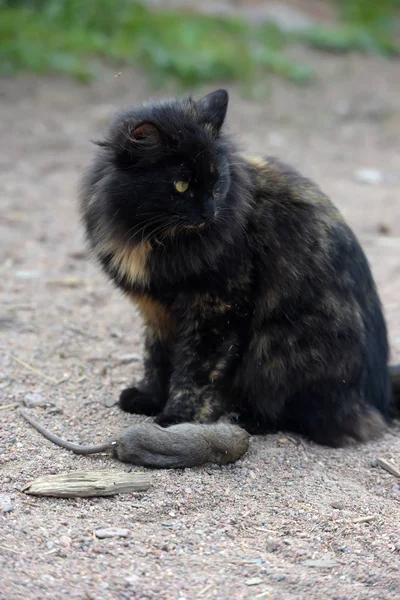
(282, 522)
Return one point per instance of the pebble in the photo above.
(383, 228)
(128, 469)
(337, 505)
(254, 581)
(109, 402)
(5, 500)
(125, 359)
(110, 532)
(78, 254)
(97, 358)
(65, 541)
(8, 508)
(271, 545)
(369, 176)
(31, 400)
(320, 564)
(373, 463)
(56, 410)
(28, 274)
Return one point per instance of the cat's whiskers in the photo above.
(141, 228)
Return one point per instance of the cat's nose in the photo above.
(208, 210)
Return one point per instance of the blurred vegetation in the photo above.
(365, 25)
(73, 36)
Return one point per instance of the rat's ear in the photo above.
(212, 108)
(146, 134)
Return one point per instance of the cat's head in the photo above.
(162, 169)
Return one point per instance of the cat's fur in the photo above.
(257, 298)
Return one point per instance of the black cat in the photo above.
(257, 298)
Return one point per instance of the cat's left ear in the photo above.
(212, 108)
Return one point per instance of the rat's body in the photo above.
(149, 445)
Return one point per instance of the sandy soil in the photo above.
(282, 522)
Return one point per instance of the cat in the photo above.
(257, 298)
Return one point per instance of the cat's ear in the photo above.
(146, 134)
(212, 108)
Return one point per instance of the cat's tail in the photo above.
(394, 371)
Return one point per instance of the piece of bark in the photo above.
(388, 466)
(82, 484)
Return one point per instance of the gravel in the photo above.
(278, 524)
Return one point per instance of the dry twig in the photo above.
(12, 405)
(33, 370)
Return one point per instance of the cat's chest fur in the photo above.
(163, 302)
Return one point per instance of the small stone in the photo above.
(397, 546)
(320, 564)
(282, 441)
(368, 176)
(78, 254)
(56, 410)
(254, 581)
(128, 469)
(337, 505)
(167, 547)
(33, 399)
(28, 274)
(109, 402)
(65, 541)
(5, 500)
(125, 359)
(373, 463)
(110, 532)
(383, 229)
(8, 508)
(271, 545)
(97, 358)
(131, 579)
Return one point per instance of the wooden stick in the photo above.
(388, 466)
(9, 549)
(366, 519)
(83, 484)
(12, 405)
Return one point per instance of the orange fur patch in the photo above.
(131, 262)
(156, 316)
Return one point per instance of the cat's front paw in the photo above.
(165, 419)
(135, 401)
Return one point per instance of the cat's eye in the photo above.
(181, 186)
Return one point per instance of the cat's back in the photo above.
(277, 184)
(293, 224)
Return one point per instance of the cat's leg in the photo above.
(320, 384)
(150, 395)
(203, 357)
(334, 417)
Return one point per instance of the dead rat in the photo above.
(149, 445)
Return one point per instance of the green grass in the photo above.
(366, 26)
(74, 36)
